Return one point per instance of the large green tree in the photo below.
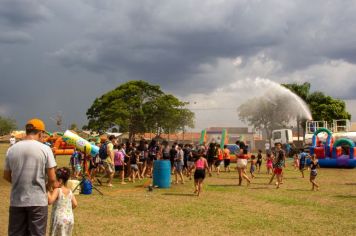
(322, 106)
(326, 108)
(136, 107)
(7, 125)
(167, 114)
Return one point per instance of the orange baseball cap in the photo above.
(36, 124)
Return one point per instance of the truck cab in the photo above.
(282, 136)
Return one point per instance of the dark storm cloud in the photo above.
(14, 37)
(18, 13)
(166, 42)
(60, 55)
(168, 51)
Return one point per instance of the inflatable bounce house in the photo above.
(59, 146)
(333, 154)
(208, 136)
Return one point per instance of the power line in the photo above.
(216, 108)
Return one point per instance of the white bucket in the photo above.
(72, 184)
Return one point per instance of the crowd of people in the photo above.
(131, 161)
(37, 182)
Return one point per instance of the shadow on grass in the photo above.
(346, 196)
(266, 187)
(259, 183)
(180, 194)
(299, 190)
(222, 185)
(350, 183)
(227, 177)
(291, 178)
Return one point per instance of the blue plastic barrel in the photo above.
(87, 187)
(162, 173)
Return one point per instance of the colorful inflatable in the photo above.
(214, 136)
(62, 148)
(80, 143)
(338, 154)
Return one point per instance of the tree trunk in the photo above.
(183, 134)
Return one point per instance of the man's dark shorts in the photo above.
(28, 220)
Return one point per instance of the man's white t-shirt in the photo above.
(28, 161)
(267, 146)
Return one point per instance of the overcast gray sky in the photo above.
(60, 55)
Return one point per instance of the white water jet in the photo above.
(271, 91)
(218, 108)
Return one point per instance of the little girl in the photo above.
(269, 163)
(313, 172)
(200, 165)
(63, 200)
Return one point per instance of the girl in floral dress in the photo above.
(63, 200)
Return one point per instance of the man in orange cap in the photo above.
(26, 165)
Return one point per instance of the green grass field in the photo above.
(222, 209)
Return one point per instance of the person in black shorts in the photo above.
(212, 154)
(259, 160)
(142, 164)
(302, 161)
(199, 175)
(172, 156)
(313, 172)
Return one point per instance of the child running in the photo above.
(302, 157)
(313, 172)
(279, 164)
(200, 165)
(253, 166)
(269, 163)
(259, 160)
(226, 158)
(220, 158)
(241, 164)
(63, 200)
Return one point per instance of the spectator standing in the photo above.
(27, 165)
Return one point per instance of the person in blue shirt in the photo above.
(302, 161)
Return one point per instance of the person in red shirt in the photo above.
(226, 158)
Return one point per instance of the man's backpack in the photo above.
(103, 151)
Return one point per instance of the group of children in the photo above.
(215, 155)
(300, 162)
(138, 160)
(275, 162)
